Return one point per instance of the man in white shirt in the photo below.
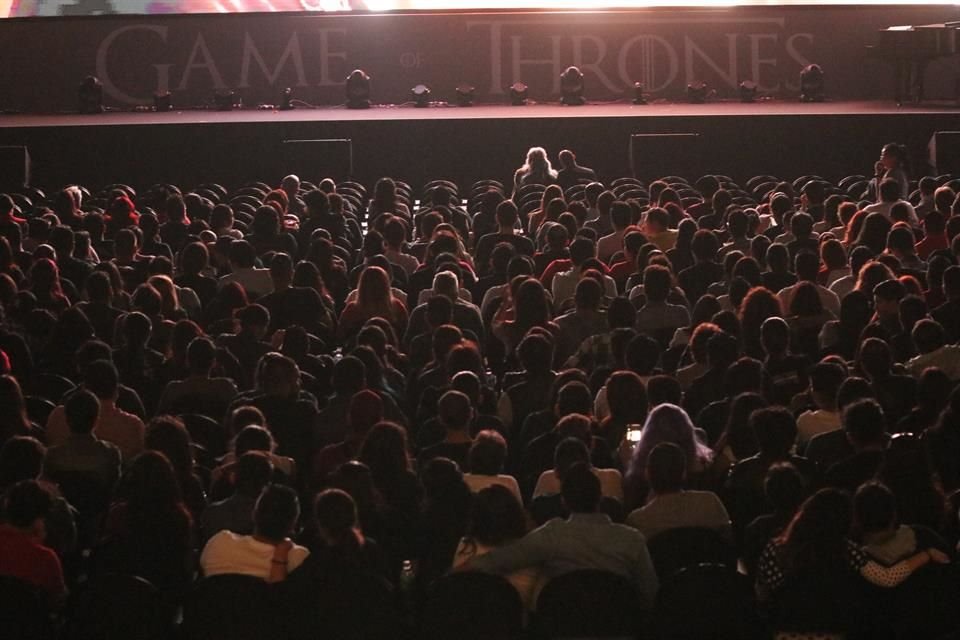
(807, 265)
(859, 256)
(890, 196)
(620, 215)
(274, 519)
(243, 270)
(565, 284)
(825, 380)
(930, 339)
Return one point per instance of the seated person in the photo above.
(668, 505)
(879, 531)
(23, 554)
(497, 519)
(569, 452)
(585, 540)
(274, 520)
(253, 472)
(486, 459)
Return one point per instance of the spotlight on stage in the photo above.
(466, 94)
(358, 90)
(286, 100)
(748, 91)
(421, 95)
(571, 87)
(90, 96)
(225, 100)
(811, 84)
(518, 94)
(638, 97)
(162, 102)
(697, 92)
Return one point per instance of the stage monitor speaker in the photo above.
(316, 159)
(944, 149)
(655, 155)
(14, 168)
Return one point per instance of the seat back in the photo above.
(675, 549)
(117, 607)
(52, 386)
(704, 602)
(915, 614)
(815, 601)
(206, 432)
(588, 603)
(472, 605)
(228, 607)
(23, 614)
(39, 409)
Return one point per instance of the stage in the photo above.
(782, 137)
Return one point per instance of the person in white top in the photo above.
(825, 380)
(568, 453)
(859, 256)
(620, 215)
(394, 236)
(889, 196)
(243, 270)
(274, 519)
(565, 284)
(807, 266)
(930, 339)
(485, 460)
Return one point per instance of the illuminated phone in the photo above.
(633, 433)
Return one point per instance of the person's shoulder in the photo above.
(223, 538)
(628, 532)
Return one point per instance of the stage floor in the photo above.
(187, 147)
(390, 113)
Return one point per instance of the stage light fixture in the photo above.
(748, 91)
(421, 95)
(358, 90)
(571, 87)
(518, 94)
(697, 92)
(286, 100)
(162, 102)
(225, 100)
(638, 97)
(90, 96)
(812, 84)
(465, 95)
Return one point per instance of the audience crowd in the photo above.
(353, 399)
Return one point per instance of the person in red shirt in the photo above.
(935, 228)
(23, 554)
(621, 271)
(8, 214)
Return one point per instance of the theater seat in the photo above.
(588, 603)
(472, 605)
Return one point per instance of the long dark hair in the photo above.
(154, 501)
(385, 452)
(496, 517)
(13, 414)
(737, 433)
(335, 513)
(816, 538)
